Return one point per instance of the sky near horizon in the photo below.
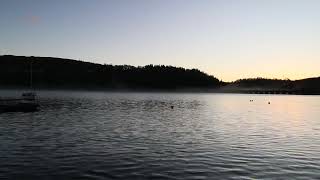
(229, 39)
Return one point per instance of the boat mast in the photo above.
(31, 75)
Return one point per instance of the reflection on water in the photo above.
(87, 135)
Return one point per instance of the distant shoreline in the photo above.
(213, 91)
(66, 74)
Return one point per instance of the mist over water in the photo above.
(94, 135)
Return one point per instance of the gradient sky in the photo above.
(229, 39)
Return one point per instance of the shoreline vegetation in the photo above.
(67, 74)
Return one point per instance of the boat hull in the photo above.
(19, 107)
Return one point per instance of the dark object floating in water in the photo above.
(172, 107)
(268, 102)
(27, 103)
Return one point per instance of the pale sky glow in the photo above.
(229, 39)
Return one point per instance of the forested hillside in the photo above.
(65, 73)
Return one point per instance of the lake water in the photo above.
(92, 135)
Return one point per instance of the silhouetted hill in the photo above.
(58, 73)
(263, 83)
(51, 72)
(303, 86)
(310, 85)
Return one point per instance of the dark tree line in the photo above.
(303, 86)
(51, 72)
(265, 83)
(65, 73)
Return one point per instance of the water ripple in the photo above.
(88, 135)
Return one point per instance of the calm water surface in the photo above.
(89, 135)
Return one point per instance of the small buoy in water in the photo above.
(171, 107)
(268, 102)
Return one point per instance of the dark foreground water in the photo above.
(87, 135)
